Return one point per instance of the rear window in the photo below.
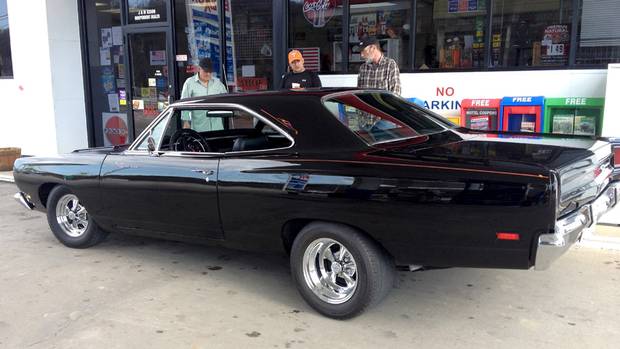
(379, 117)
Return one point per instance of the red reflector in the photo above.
(507, 236)
(616, 156)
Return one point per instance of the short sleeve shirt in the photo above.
(193, 87)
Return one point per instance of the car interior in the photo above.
(237, 131)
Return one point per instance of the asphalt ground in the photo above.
(132, 292)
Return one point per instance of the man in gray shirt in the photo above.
(202, 84)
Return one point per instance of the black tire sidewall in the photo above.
(85, 240)
(362, 298)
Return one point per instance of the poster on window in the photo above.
(157, 57)
(362, 25)
(108, 82)
(554, 45)
(106, 37)
(104, 56)
(115, 130)
(204, 37)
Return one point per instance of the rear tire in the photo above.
(339, 271)
(69, 220)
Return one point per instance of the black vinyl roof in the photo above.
(291, 93)
(312, 125)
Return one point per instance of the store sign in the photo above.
(115, 130)
(455, 6)
(147, 15)
(251, 84)
(319, 12)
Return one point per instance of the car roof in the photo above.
(312, 125)
(290, 93)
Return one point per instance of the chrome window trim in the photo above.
(196, 105)
(147, 131)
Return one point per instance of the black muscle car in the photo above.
(351, 183)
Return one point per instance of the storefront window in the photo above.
(147, 11)
(598, 36)
(315, 28)
(6, 63)
(388, 22)
(252, 34)
(107, 72)
(198, 36)
(530, 33)
(450, 34)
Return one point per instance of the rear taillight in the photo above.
(615, 160)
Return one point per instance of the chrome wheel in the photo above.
(71, 216)
(330, 271)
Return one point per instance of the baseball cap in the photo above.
(367, 41)
(294, 55)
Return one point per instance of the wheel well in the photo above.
(44, 192)
(294, 226)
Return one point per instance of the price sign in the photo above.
(555, 50)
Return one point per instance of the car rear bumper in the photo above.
(568, 230)
(24, 199)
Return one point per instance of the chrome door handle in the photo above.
(204, 172)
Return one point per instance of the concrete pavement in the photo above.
(134, 292)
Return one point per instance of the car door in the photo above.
(166, 192)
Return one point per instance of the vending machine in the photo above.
(480, 114)
(522, 114)
(574, 115)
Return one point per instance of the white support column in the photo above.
(611, 116)
(67, 78)
(43, 110)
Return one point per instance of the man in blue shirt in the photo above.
(202, 84)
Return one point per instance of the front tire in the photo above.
(69, 220)
(339, 271)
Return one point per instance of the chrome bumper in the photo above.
(24, 199)
(568, 230)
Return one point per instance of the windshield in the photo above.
(379, 117)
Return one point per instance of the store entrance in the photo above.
(151, 84)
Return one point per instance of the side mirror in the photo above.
(151, 145)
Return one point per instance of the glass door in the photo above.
(150, 81)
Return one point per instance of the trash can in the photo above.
(574, 115)
(8, 157)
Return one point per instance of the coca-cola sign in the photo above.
(319, 12)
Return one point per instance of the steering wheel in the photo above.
(187, 139)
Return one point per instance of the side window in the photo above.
(156, 133)
(199, 120)
(219, 130)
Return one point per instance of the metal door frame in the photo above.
(143, 28)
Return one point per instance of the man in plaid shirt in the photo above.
(378, 71)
